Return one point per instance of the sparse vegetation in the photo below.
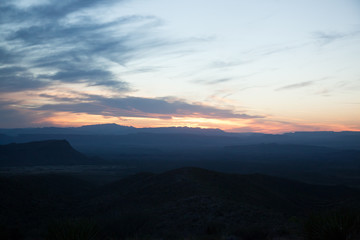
(7, 233)
(334, 225)
(214, 228)
(187, 203)
(77, 229)
(129, 225)
(254, 232)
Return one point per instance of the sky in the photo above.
(269, 66)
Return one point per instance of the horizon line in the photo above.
(186, 127)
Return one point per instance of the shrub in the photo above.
(10, 233)
(130, 225)
(214, 228)
(254, 232)
(335, 225)
(72, 230)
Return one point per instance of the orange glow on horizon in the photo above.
(66, 119)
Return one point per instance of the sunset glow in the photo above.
(239, 66)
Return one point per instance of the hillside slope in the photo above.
(184, 202)
(195, 197)
(50, 152)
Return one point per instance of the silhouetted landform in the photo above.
(111, 129)
(313, 164)
(50, 152)
(171, 205)
(254, 189)
(29, 202)
(173, 137)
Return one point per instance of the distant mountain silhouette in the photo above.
(115, 136)
(111, 129)
(51, 152)
(183, 130)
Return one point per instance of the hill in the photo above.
(254, 189)
(50, 152)
(177, 203)
(194, 198)
(30, 202)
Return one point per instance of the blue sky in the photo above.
(265, 66)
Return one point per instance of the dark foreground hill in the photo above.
(50, 152)
(171, 205)
(195, 197)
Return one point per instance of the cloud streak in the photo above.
(213, 82)
(52, 49)
(144, 107)
(12, 117)
(295, 86)
(17, 79)
(302, 84)
(328, 37)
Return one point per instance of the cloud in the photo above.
(17, 79)
(295, 86)
(328, 37)
(144, 107)
(212, 82)
(93, 77)
(51, 48)
(223, 80)
(303, 84)
(69, 42)
(51, 10)
(259, 53)
(61, 99)
(6, 57)
(52, 42)
(13, 118)
(227, 64)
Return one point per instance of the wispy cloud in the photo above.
(227, 64)
(6, 57)
(325, 38)
(40, 46)
(144, 107)
(212, 82)
(12, 117)
(303, 84)
(17, 78)
(295, 86)
(227, 79)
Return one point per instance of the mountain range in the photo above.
(113, 138)
(110, 129)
